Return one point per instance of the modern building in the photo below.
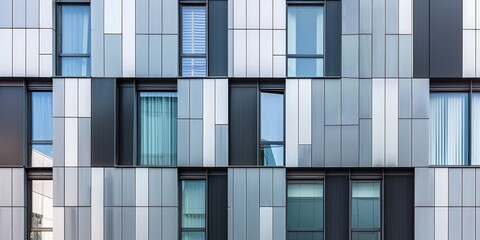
(239, 119)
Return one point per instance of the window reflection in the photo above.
(271, 128)
(365, 210)
(41, 129)
(41, 215)
(193, 210)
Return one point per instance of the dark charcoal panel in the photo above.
(217, 207)
(217, 38)
(399, 207)
(421, 38)
(12, 126)
(333, 40)
(103, 122)
(125, 127)
(337, 207)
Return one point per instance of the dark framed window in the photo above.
(366, 208)
(272, 127)
(40, 204)
(194, 209)
(41, 129)
(193, 54)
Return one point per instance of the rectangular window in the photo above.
(74, 40)
(475, 118)
(193, 210)
(271, 128)
(41, 129)
(193, 48)
(158, 128)
(305, 210)
(366, 210)
(305, 38)
(41, 210)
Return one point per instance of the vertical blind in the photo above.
(158, 128)
(475, 129)
(194, 62)
(449, 128)
(193, 210)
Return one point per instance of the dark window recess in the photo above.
(12, 125)
(217, 207)
(399, 207)
(333, 40)
(126, 123)
(337, 210)
(217, 38)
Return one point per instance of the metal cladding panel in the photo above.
(196, 98)
(455, 187)
(84, 97)
(12, 126)
(365, 143)
(19, 50)
(333, 142)
(318, 123)
(221, 145)
(365, 98)
(279, 187)
(141, 187)
(221, 101)
(332, 102)
(84, 142)
(350, 64)
(6, 222)
(424, 187)
(350, 142)
(59, 187)
(424, 223)
(304, 155)
(169, 223)
(454, 224)
(391, 60)
(366, 9)
(468, 66)
(441, 187)
(209, 122)
(399, 207)
(103, 119)
(239, 52)
(71, 223)
(18, 223)
(217, 207)
(349, 101)
(154, 222)
(97, 203)
(71, 187)
(420, 98)
(350, 16)
(196, 143)
(125, 127)
(141, 223)
(31, 14)
(183, 98)
(128, 187)
(239, 204)
(378, 39)
(468, 188)
(142, 55)
(405, 55)
(18, 185)
(169, 190)
(128, 223)
(468, 223)
(113, 16)
(391, 122)
(404, 142)
(6, 186)
(113, 55)
(183, 146)
(304, 111)
(378, 122)
(266, 187)
(333, 38)
(32, 51)
(97, 41)
(218, 38)
(128, 38)
(141, 16)
(253, 202)
(84, 223)
(170, 17)
(420, 142)
(292, 122)
(84, 186)
(113, 187)
(266, 223)
(266, 51)
(113, 223)
(421, 41)
(7, 51)
(71, 101)
(336, 215)
(6, 12)
(391, 13)
(169, 55)
(365, 59)
(154, 55)
(58, 142)
(253, 53)
(404, 98)
(154, 17)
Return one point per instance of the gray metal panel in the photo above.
(31, 14)
(84, 186)
(128, 224)
(279, 187)
(97, 41)
(196, 142)
(365, 91)
(349, 101)
(6, 12)
(424, 186)
(350, 143)
(170, 17)
(266, 187)
(455, 187)
(468, 188)
(421, 41)
(365, 16)
(468, 223)
(279, 220)
(169, 189)
(391, 13)
(304, 155)
(404, 142)
(58, 187)
(365, 59)
(169, 223)
(183, 98)
(378, 38)
(332, 146)
(196, 98)
(71, 186)
(405, 55)
(141, 16)
(365, 143)
(84, 223)
(350, 12)
(405, 98)
(84, 142)
(155, 187)
(253, 204)
(155, 17)
(58, 97)
(18, 223)
(6, 222)
(318, 122)
(141, 55)
(350, 55)
(155, 56)
(18, 187)
(12, 126)
(71, 223)
(128, 187)
(113, 55)
(420, 98)
(454, 223)
(113, 187)
(112, 223)
(332, 102)
(239, 203)
(420, 142)
(391, 64)
(217, 38)
(221, 145)
(424, 223)
(477, 187)
(19, 14)
(6, 187)
(183, 147)
(170, 55)
(155, 222)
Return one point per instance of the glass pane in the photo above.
(304, 235)
(193, 29)
(42, 155)
(305, 206)
(75, 33)
(365, 235)
(271, 154)
(158, 128)
(42, 115)
(193, 204)
(305, 29)
(366, 204)
(41, 235)
(305, 67)
(475, 129)
(194, 67)
(75, 66)
(193, 235)
(42, 204)
(449, 128)
(271, 107)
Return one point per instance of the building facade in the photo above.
(239, 119)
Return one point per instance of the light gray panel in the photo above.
(365, 143)
(468, 187)
(279, 187)
(170, 17)
(455, 187)
(18, 187)
(155, 187)
(183, 98)
(6, 187)
(366, 16)
(378, 38)
(71, 223)
(420, 98)
(349, 101)
(155, 222)
(183, 147)
(84, 223)
(332, 102)
(84, 142)
(350, 144)
(405, 55)
(170, 55)
(58, 142)
(113, 187)
(58, 97)
(405, 98)
(58, 187)
(31, 14)
(468, 223)
(113, 55)
(454, 223)
(18, 222)
(19, 14)
(253, 205)
(365, 86)
(404, 142)
(128, 227)
(477, 187)
(391, 64)
(424, 186)
(239, 204)
(169, 190)
(266, 187)
(155, 56)
(279, 219)
(141, 55)
(424, 223)
(230, 187)
(128, 187)
(392, 16)
(155, 16)
(112, 223)
(305, 155)
(318, 122)
(97, 41)
(196, 98)
(332, 146)
(365, 55)
(420, 142)
(84, 186)
(221, 145)
(6, 222)
(71, 187)
(350, 10)
(141, 16)
(6, 11)
(350, 55)
(169, 223)
(196, 142)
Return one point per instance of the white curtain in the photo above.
(75, 36)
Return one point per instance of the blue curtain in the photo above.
(42, 121)
(194, 41)
(193, 209)
(158, 128)
(475, 129)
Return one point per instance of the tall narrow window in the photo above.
(41, 210)
(305, 210)
(449, 128)
(41, 129)
(271, 128)
(193, 49)
(193, 210)
(305, 49)
(158, 128)
(475, 129)
(74, 40)
(366, 220)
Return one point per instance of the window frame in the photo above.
(379, 230)
(32, 174)
(192, 175)
(261, 143)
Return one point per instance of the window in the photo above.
(366, 220)
(305, 38)
(41, 129)
(74, 40)
(305, 210)
(158, 128)
(271, 128)
(193, 210)
(41, 210)
(193, 48)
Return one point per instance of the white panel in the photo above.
(46, 13)
(279, 14)
(97, 204)
(441, 223)
(391, 123)
(46, 41)
(240, 14)
(441, 187)
(71, 142)
(18, 187)
(477, 6)
(266, 65)
(305, 111)
(468, 53)
(6, 186)
(84, 97)
(141, 223)
(405, 16)
(378, 121)
(71, 97)
(291, 122)
(19, 52)
(279, 63)
(266, 223)
(253, 14)
(477, 51)
(32, 51)
(253, 53)
(221, 101)
(239, 53)
(141, 187)
(71, 186)
(113, 16)
(128, 38)
(230, 15)
(230, 52)
(209, 122)
(468, 14)
(58, 223)
(46, 65)
(266, 12)
(6, 52)
(279, 40)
